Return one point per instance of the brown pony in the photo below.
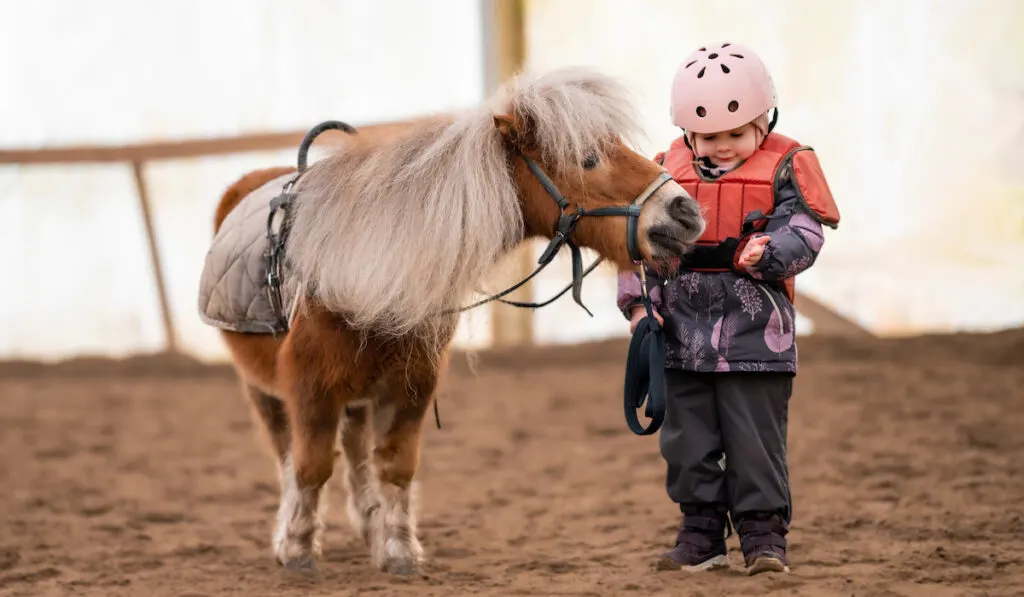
(390, 235)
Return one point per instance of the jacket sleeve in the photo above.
(795, 239)
(628, 292)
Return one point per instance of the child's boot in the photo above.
(763, 541)
(700, 543)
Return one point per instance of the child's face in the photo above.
(727, 148)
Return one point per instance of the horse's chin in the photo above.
(666, 247)
(665, 266)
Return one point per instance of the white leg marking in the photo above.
(298, 535)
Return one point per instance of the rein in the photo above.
(647, 344)
(564, 228)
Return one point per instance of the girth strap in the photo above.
(279, 221)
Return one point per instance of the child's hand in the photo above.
(753, 251)
(639, 313)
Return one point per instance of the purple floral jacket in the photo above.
(727, 321)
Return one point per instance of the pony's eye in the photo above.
(590, 162)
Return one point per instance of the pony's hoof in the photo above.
(306, 563)
(400, 566)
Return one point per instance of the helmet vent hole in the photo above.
(701, 73)
(691, 64)
(713, 55)
(734, 105)
(736, 55)
(701, 111)
(702, 50)
(726, 45)
(725, 69)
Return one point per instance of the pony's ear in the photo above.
(506, 125)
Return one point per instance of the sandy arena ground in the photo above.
(145, 477)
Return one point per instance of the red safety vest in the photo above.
(730, 203)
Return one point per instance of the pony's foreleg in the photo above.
(394, 546)
(314, 415)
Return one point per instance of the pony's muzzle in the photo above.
(670, 223)
(685, 211)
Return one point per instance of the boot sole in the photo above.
(766, 564)
(714, 563)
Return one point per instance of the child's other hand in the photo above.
(753, 251)
(639, 313)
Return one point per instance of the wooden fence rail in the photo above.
(138, 155)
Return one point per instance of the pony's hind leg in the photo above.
(394, 546)
(360, 477)
(298, 536)
(291, 513)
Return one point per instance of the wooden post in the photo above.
(504, 56)
(154, 255)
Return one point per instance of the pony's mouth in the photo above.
(667, 240)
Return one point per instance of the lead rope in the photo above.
(645, 369)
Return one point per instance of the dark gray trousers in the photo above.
(744, 416)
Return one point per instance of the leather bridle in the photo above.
(564, 227)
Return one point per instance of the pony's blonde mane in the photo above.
(389, 232)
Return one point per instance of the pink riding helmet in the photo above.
(721, 88)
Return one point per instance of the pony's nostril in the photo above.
(683, 208)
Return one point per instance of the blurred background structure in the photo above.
(124, 121)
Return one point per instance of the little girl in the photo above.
(728, 309)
